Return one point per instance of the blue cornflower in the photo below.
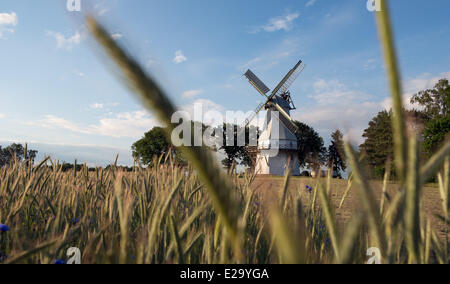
(59, 261)
(3, 257)
(308, 188)
(4, 228)
(75, 221)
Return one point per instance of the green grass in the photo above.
(199, 214)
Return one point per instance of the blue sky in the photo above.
(59, 96)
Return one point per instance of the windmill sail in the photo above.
(289, 79)
(292, 79)
(254, 114)
(282, 88)
(286, 119)
(257, 83)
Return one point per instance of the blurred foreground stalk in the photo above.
(155, 99)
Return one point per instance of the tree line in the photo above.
(430, 122)
(18, 152)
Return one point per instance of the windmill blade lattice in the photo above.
(292, 79)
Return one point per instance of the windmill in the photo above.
(277, 145)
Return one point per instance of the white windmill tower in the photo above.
(277, 145)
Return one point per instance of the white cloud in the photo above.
(152, 62)
(116, 36)
(7, 23)
(103, 11)
(423, 82)
(2, 115)
(106, 107)
(51, 121)
(352, 119)
(101, 8)
(63, 42)
(192, 93)
(336, 93)
(97, 106)
(281, 23)
(79, 73)
(204, 110)
(310, 3)
(127, 124)
(413, 86)
(251, 62)
(338, 107)
(285, 23)
(285, 49)
(370, 64)
(9, 19)
(352, 114)
(179, 57)
(206, 104)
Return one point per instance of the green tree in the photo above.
(436, 109)
(18, 151)
(436, 131)
(153, 144)
(3, 159)
(336, 154)
(311, 149)
(235, 153)
(378, 145)
(435, 101)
